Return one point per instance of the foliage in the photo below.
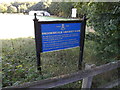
(16, 4)
(57, 8)
(11, 9)
(61, 8)
(66, 8)
(22, 8)
(18, 61)
(3, 9)
(38, 6)
(104, 19)
(54, 8)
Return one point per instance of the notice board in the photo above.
(58, 35)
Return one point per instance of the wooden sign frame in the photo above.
(38, 38)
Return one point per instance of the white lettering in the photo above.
(60, 32)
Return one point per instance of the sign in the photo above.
(60, 36)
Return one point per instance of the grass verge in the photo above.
(19, 63)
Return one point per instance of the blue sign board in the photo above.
(60, 36)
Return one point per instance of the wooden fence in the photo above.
(69, 78)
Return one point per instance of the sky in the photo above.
(17, 0)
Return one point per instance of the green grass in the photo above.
(19, 63)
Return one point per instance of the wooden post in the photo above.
(82, 36)
(87, 82)
(38, 42)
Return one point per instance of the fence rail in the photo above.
(69, 78)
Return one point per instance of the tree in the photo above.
(54, 8)
(3, 9)
(104, 18)
(30, 4)
(12, 9)
(61, 8)
(66, 8)
(16, 4)
(38, 6)
(22, 8)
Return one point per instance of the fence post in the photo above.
(87, 82)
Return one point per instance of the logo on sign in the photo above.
(63, 26)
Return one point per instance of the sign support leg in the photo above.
(38, 43)
(82, 34)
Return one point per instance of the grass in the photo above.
(19, 63)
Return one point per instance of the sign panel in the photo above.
(60, 36)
